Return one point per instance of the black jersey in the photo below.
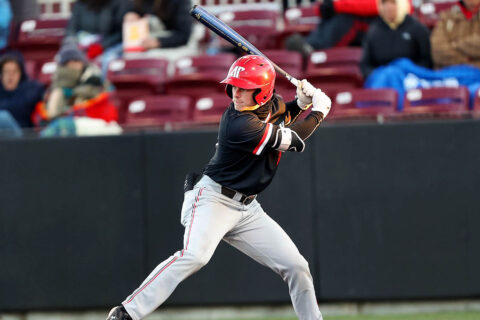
(244, 159)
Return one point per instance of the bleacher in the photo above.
(153, 91)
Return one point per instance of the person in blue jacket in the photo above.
(5, 20)
(18, 93)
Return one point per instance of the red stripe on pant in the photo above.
(174, 259)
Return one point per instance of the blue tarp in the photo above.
(402, 75)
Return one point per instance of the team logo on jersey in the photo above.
(236, 71)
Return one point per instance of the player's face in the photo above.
(242, 98)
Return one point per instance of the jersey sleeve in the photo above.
(250, 134)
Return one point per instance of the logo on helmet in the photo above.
(236, 71)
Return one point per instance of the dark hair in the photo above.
(158, 8)
(96, 5)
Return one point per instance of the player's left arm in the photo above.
(292, 138)
(309, 96)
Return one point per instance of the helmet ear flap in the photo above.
(228, 90)
(255, 93)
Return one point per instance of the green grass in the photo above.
(420, 316)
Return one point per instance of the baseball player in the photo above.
(256, 128)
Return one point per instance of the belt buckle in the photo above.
(249, 199)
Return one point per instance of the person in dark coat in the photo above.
(395, 34)
(97, 26)
(18, 94)
(173, 17)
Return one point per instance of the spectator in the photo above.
(169, 20)
(395, 34)
(456, 36)
(5, 20)
(344, 23)
(75, 81)
(97, 26)
(18, 94)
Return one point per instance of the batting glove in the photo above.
(304, 94)
(321, 102)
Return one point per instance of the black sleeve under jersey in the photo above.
(294, 110)
(304, 128)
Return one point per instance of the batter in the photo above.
(255, 130)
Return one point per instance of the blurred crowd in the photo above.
(101, 31)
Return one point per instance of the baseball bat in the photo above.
(227, 33)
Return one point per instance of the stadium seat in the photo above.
(31, 69)
(205, 64)
(428, 12)
(137, 77)
(476, 101)
(196, 85)
(436, 102)
(335, 79)
(259, 27)
(158, 110)
(39, 39)
(333, 57)
(291, 62)
(364, 104)
(209, 109)
(302, 19)
(46, 72)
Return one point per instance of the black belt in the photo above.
(246, 200)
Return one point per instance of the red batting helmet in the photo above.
(252, 72)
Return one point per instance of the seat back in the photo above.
(335, 79)
(158, 110)
(259, 27)
(302, 19)
(436, 100)
(196, 85)
(429, 11)
(292, 63)
(46, 72)
(364, 103)
(338, 56)
(476, 101)
(210, 108)
(39, 39)
(133, 78)
(205, 64)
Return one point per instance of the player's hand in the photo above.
(321, 102)
(304, 94)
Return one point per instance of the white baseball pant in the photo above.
(209, 217)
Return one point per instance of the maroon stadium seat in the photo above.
(291, 62)
(133, 78)
(441, 101)
(333, 57)
(259, 27)
(196, 85)
(335, 79)
(39, 40)
(209, 109)
(364, 104)
(205, 64)
(428, 12)
(302, 19)
(158, 110)
(476, 101)
(46, 72)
